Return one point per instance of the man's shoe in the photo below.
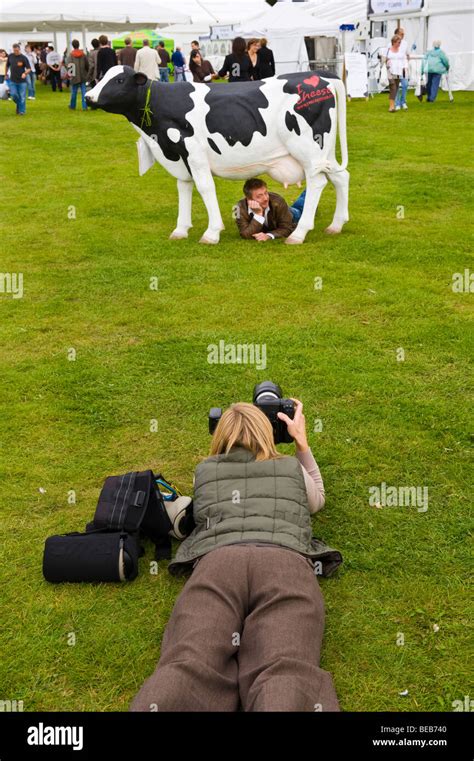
(397, 108)
(405, 107)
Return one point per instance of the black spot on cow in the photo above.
(213, 145)
(292, 123)
(234, 111)
(314, 102)
(168, 105)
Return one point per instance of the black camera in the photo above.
(268, 397)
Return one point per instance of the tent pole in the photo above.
(83, 38)
(344, 56)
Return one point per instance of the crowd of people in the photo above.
(75, 70)
(249, 60)
(396, 58)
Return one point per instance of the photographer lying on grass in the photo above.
(246, 631)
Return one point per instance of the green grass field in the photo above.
(141, 355)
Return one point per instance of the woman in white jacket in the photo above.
(396, 61)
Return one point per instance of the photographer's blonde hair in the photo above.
(244, 425)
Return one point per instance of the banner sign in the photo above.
(356, 75)
(394, 6)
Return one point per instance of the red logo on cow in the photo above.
(312, 94)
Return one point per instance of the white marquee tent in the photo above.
(183, 21)
(21, 21)
(450, 21)
(338, 11)
(285, 26)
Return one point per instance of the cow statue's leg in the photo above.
(340, 180)
(204, 182)
(185, 199)
(315, 184)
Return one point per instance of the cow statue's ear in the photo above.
(140, 78)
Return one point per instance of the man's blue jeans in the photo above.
(297, 207)
(75, 88)
(401, 98)
(164, 75)
(18, 93)
(432, 87)
(30, 81)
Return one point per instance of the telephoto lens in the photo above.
(267, 396)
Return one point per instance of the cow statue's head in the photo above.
(118, 90)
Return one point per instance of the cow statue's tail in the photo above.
(341, 122)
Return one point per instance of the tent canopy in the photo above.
(109, 16)
(338, 12)
(280, 20)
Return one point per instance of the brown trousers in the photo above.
(244, 634)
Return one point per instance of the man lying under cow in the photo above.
(284, 126)
(263, 216)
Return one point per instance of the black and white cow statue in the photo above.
(284, 126)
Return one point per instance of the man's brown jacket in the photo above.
(279, 220)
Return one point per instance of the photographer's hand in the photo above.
(297, 426)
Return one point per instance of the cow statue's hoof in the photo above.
(178, 234)
(333, 230)
(209, 241)
(291, 240)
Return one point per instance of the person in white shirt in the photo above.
(53, 60)
(401, 99)
(395, 61)
(31, 78)
(148, 61)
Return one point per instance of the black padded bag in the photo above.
(131, 502)
(130, 506)
(93, 556)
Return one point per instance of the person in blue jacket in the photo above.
(178, 61)
(435, 64)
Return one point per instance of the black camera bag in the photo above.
(93, 556)
(131, 502)
(130, 506)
